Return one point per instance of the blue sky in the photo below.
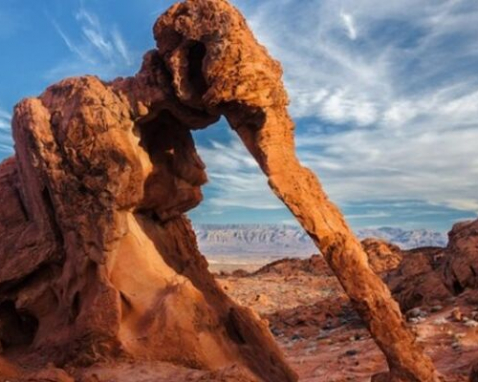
(384, 94)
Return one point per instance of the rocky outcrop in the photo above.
(429, 276)
(417, 281)
(461, 267)
(315, 265)
(99, 260)
(382, 256)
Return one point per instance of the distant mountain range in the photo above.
(284, 240)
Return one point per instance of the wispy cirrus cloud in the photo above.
(95, 48)
(407, 51)
(349, 24)
(235, 178)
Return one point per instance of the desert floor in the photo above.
(324, 339)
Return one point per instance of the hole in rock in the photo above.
(17, 328)
(233, 221)
(196, 54)
(457, 288)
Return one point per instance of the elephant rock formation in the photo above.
(98, 260)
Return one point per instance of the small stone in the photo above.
(416, 313)
(436, 308)
(471, 324)
(327, 326)
(440, 321)
(296, 337)
(456, 315)
(355, 337)
(450, 300)
(311, 350)
(276, 332)
(351, 353)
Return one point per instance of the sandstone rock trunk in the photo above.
(240, 80)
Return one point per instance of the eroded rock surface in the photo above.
(433, 275)
(99, 260)
(382, 256)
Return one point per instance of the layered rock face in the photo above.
(461, 268)
(429, 276)
(98, 259)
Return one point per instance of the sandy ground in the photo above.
(249, 263)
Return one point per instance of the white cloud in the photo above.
(339, 107)
(235, 179)
(393, 118)
(349, 25)
(376, 75)
(5, 117)
(437, 167)
(97, 48)
(83, 55)
(121, 47)
(370, 215)
(6, 142)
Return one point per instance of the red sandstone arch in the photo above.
(98, 259)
